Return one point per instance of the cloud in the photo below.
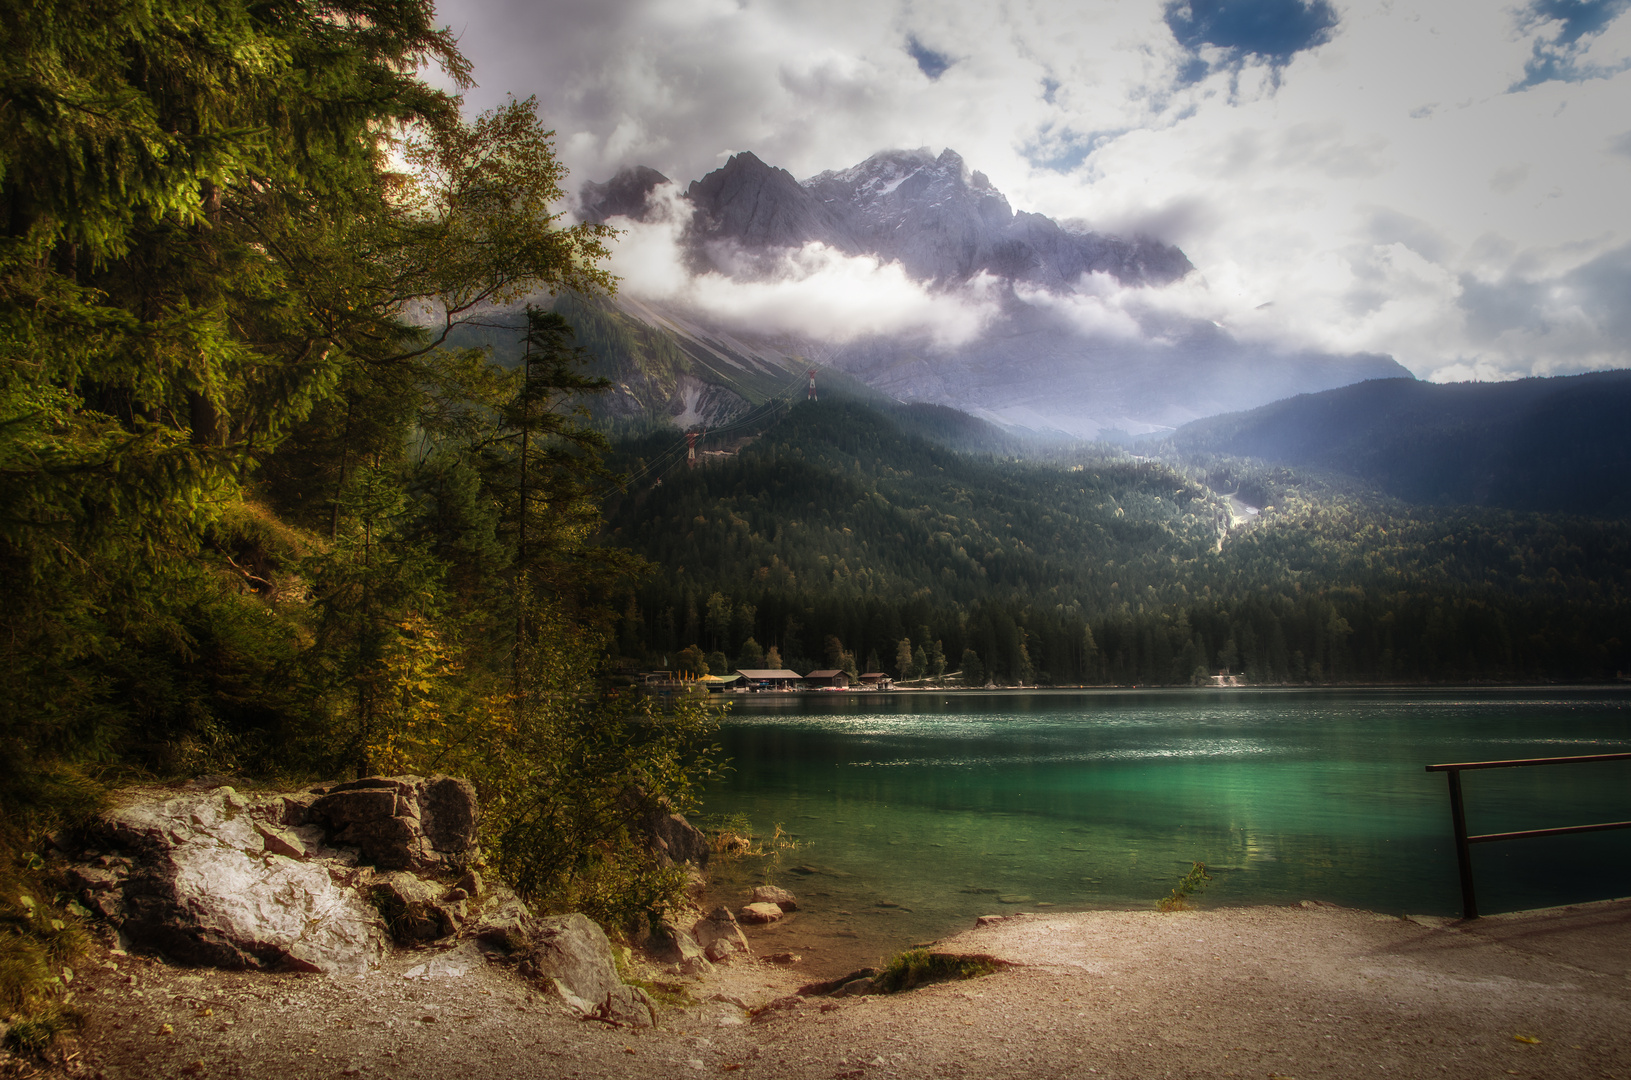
(1563, 48)
(813, 292)
(1362, 166)
(1553, 324)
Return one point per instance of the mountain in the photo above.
(840, 525)
(1044, 350)
(929, 214)
(1548, 444)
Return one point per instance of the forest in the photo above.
(263, 516)
(853, 535)
(284, 500)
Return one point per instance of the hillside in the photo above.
(1545, 444)
(840, 529)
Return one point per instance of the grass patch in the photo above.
(1180, 899)
(38, 947)
(919, 967)
(668, 994)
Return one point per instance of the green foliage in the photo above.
(1550, 444)
(1181, 897)
(39, 945)
(1093, 567)
(918, 967)
(260, 514)
(565, 771)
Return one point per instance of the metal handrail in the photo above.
(1458, 815)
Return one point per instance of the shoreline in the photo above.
(1101, 689)
(1297, 991)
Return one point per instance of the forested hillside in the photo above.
(843, 531)
(260, 517)
(1547, 444)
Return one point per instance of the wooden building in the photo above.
(771, 678)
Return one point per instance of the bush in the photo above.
(918, 967)
(566, 769)
(1191, 883)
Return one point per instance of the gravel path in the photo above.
(1300, 992)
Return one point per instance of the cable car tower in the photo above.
(812, 394)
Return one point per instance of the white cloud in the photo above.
(811, 292)
(1366, 191)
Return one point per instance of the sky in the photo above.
(1443, 181)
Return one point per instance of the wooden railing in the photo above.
(1458, 814)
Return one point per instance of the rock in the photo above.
(293, 811)
(389, 843)
(720, 936)
(403, 822)
(414, 909)
(448, 811)
(782, 958)
(99, 888)
(282, 842)
(759, 913)
(502, 921)
(770, 894)
(832, 986)
(990, 920)
(674, 840)
(470, 883)
(203, 889)
(357, 805)
(627, 1006)
(674, 946)
(857, 987)
(572, 955)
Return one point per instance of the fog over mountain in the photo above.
(915, 275)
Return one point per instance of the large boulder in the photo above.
(201, 877)
(403, 822)
(674, 840)
(573, 957)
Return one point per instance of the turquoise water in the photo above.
(915, 812)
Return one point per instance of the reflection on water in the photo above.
(916, 812)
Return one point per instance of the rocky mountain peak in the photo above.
(757, 206)
(928, 212)
(624, 195)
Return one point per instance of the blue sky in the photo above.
(1441, 181)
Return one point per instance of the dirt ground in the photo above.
(1298, 992)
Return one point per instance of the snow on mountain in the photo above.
(1078, 331)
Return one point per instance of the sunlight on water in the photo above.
(915, 813)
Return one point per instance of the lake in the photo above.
(914, 813)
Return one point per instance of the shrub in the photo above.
(918, 967)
